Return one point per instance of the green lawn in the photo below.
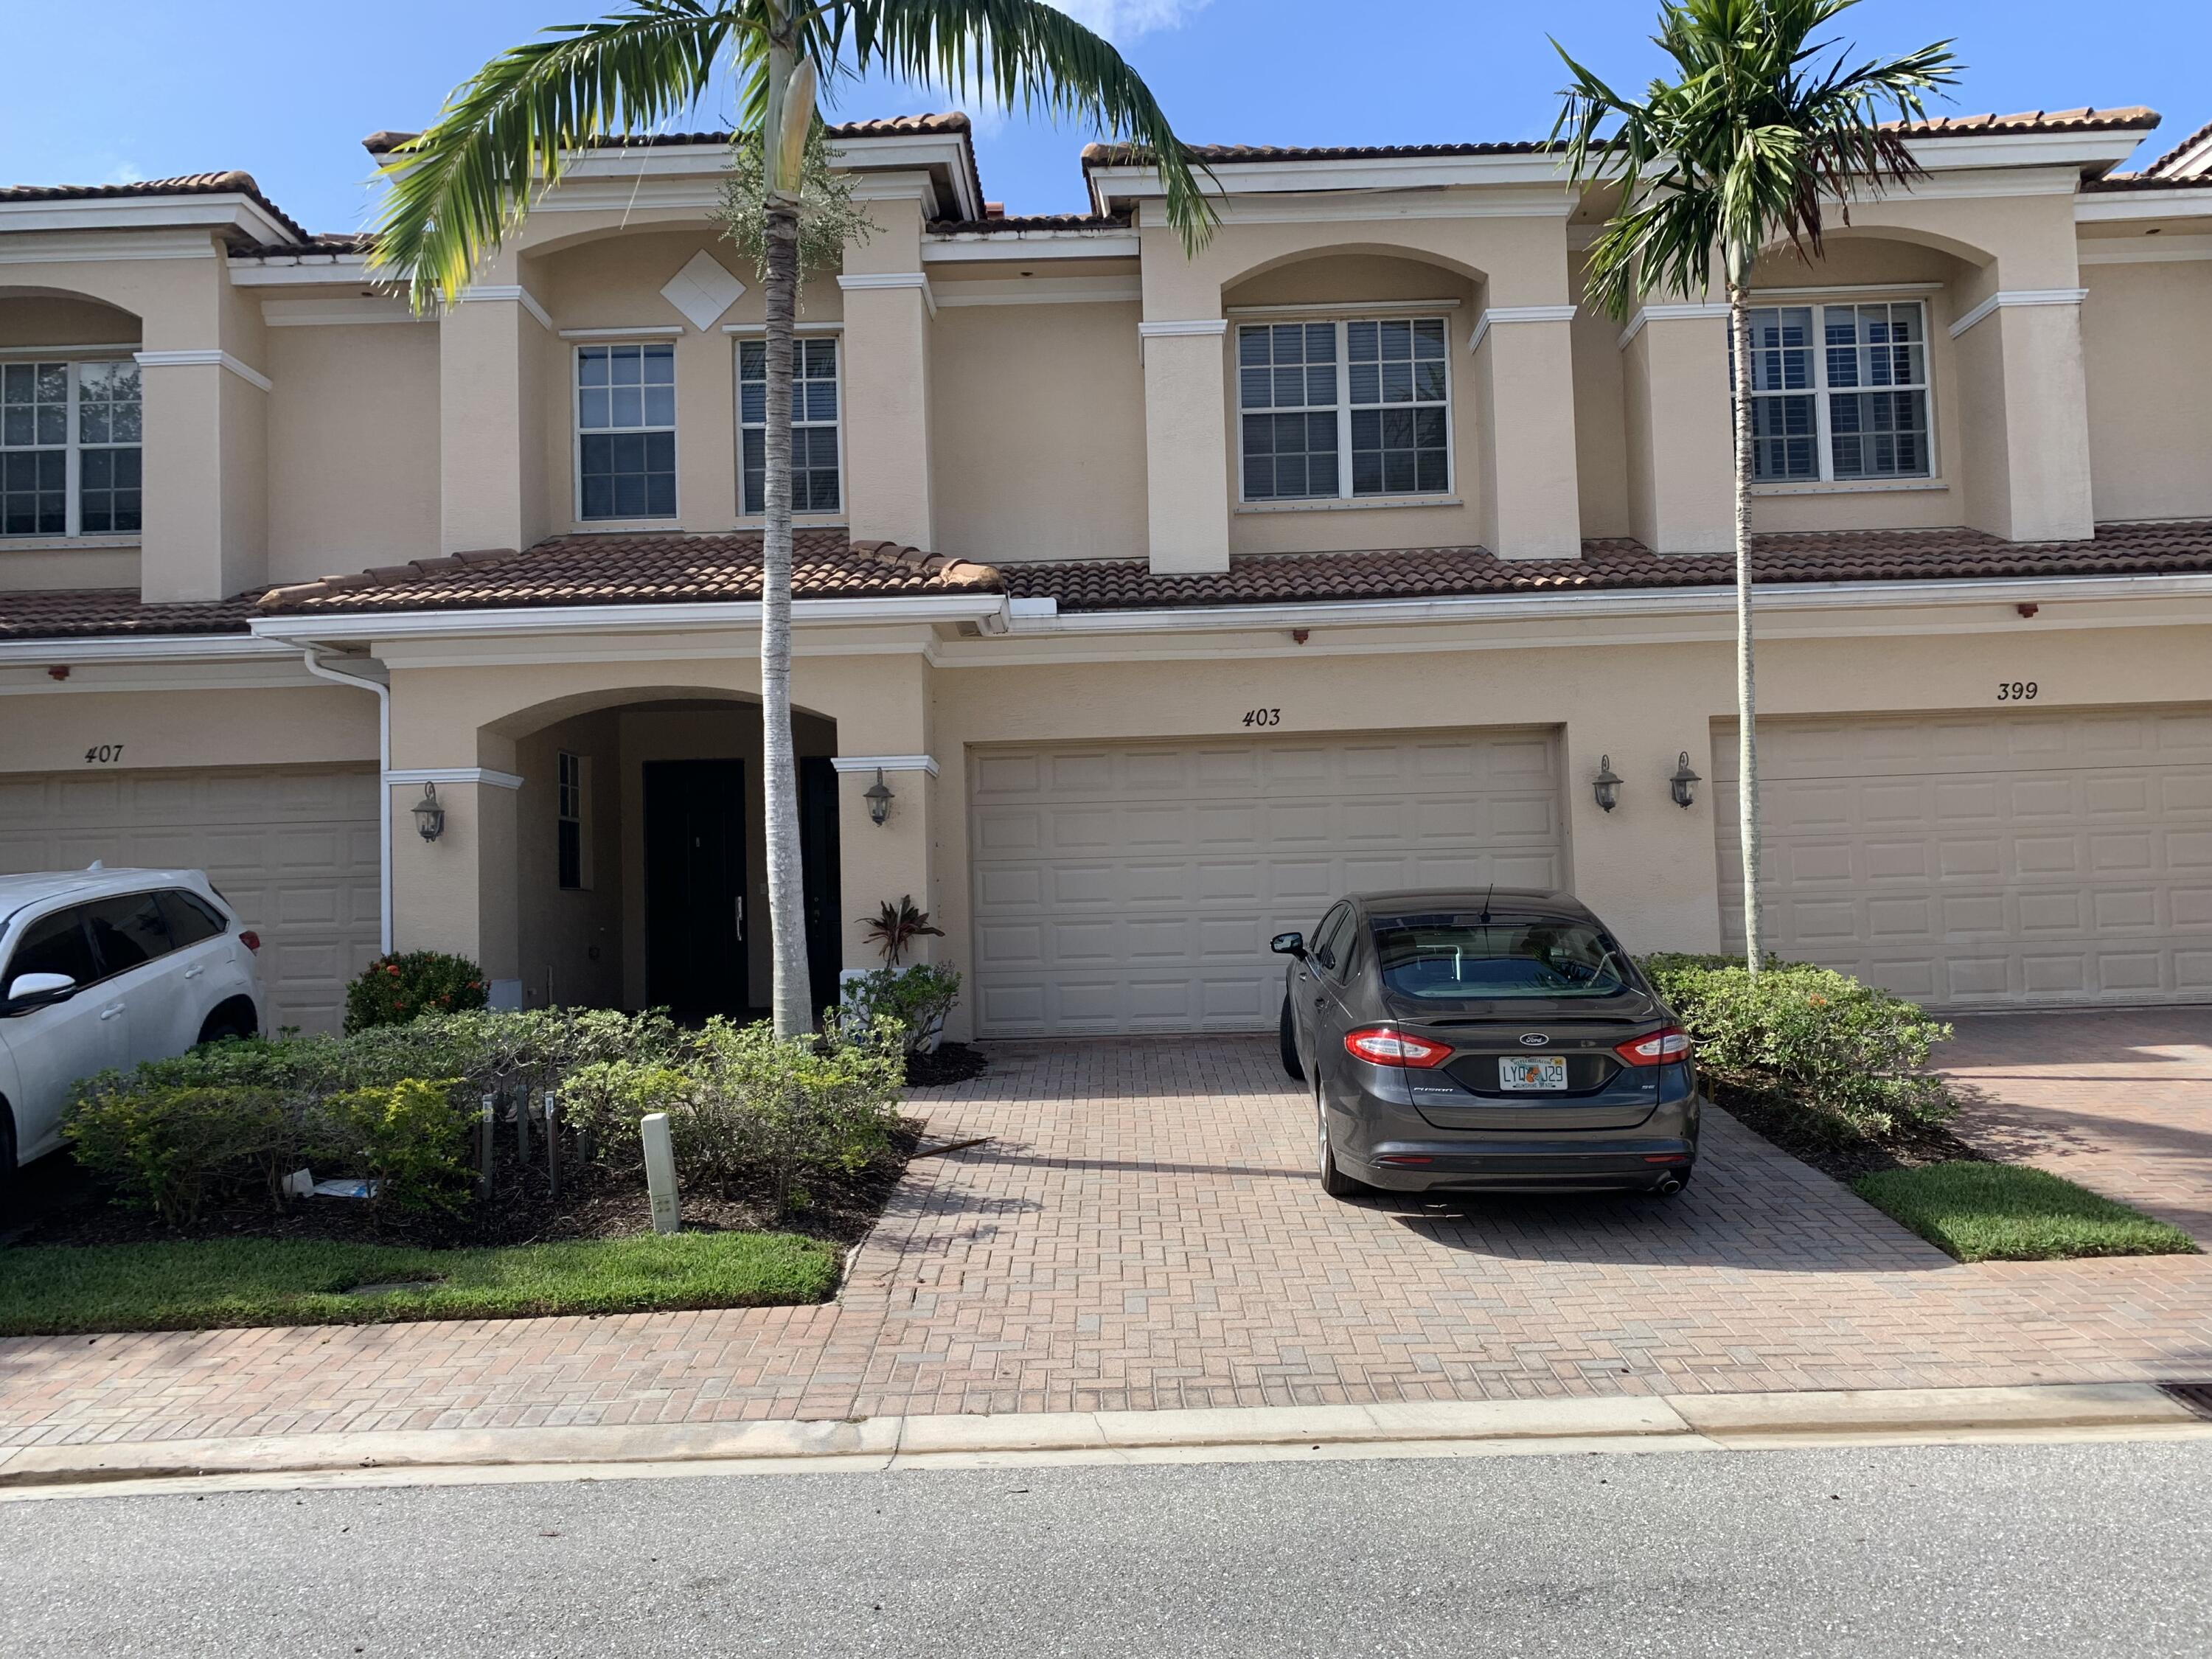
(2010, 1212)
(202, 1285)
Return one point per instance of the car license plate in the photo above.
(1541, 1072)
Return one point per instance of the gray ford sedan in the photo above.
(1490, 1042)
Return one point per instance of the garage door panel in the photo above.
(2069, 854)
(293, 848)
(1239, 839)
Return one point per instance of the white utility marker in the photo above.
(660, 1172)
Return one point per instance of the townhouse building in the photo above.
(1145, 601)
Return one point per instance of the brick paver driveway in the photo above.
(2120, 1102)
(1142, 1230)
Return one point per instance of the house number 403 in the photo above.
(2016, 690)
(1263, 717)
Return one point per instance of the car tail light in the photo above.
(1660, 1048)
(1380, 1046)
(249, 938)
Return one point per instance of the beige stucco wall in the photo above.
(353, 448)
(1039, 420)
(164, 723)
(2147, 335)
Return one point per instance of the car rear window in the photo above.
(1460, 958)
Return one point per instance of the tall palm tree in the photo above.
(503, 139)
(1760, 130)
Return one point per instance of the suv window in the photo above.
(128, 930)
(191, 918)
(56, 945)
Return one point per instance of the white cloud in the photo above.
(1125, 20)
(126, 174)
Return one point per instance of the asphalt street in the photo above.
(1950, 1549)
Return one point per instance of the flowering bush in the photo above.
(394, 989)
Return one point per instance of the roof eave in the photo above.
(987, 610)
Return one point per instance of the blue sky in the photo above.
(286, 90)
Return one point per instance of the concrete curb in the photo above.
(1681, 1421)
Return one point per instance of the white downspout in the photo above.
(314, 666)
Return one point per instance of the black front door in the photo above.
(695, 887)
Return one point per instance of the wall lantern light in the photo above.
(878, 797)
(1684, 782)
(429, 817)
(1607, 784)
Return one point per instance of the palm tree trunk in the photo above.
(1745, 698)
(787, 901)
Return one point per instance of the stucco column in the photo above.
(1648, 863)
(1186, 445)
(2027, 415)
(886, 373)
(459, 893)
(1680, 460)
(205, 533)
(489, 481)
(1525, 375)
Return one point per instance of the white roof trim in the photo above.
(482, 775)
(153, 648)
(195, 359)
(2005, 298)
(217, 209)
(885, 764)
(310, 271)
(986, 609)
(1516, 314)
(976, 246)
(2106, 206)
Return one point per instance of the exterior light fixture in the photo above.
(1684, 782)
(878, 797)
(429, 817)
(1607, 784)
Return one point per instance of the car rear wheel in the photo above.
(1333, 1181)
(1286, 1033)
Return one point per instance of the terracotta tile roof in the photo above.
(2128, 119)
(98, 613)
(634, 569)
(190, 183)
(1444, 571)
(323, 243)
(2121, 182)
(889, 127)
(2164, 166)
(1010, 224)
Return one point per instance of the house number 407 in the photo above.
(103, 754)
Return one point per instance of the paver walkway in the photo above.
(2120, 1102)
(1143, 1231)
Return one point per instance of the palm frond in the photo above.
(1026, 55)
(458, 188)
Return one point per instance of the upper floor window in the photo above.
(70, 449)
(626, 432)
(1343, 409)
(814, 475)
(1839, 393)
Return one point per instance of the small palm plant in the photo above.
(894, 928)
(1761, 129)
(506, 136)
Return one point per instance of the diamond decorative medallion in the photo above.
(702, 290)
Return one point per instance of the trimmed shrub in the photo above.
(1846, 1058)
(919, 998)
(605, 1101)
(409, 1137)
(394, 989)
(176, 1151)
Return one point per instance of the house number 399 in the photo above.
(2016, 690)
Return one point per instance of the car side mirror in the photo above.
(39, 987)
(1288, 945)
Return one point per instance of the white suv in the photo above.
(102, 968)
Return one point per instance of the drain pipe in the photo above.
(315, 666)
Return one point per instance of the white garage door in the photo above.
(2017, 856)
(1134, 887)
(293, 848)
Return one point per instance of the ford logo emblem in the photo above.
(1533, 1040)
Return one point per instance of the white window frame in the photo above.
(740, 333)
(1341, 322)
(572, 786)
(577, 430)
(75, 360)
(1821, 393)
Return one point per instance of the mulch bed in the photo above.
(949, 1062)
(594, 1203)
(1909, 1147)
